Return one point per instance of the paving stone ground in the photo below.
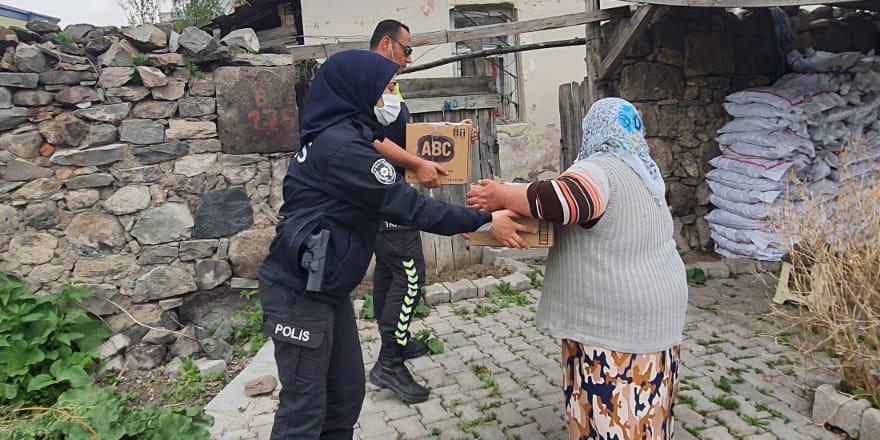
(499, 377)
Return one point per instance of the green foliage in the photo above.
(46, 391)
(483, 309)
(726, 402)
(696, 277)
(536, 280)
(111, 417)
(189, 386)
(195, 71)
(195, 13)
(48, 343)
(422, 311)
(249, 338)
(435, 345)
(369, 310)
(506, 297)
(141, 60)
(61, 37)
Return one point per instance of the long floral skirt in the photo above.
(619, 396)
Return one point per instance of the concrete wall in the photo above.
(526, 148)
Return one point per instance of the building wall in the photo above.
(526, 148)
(6, 21)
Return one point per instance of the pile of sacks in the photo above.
(799, 139)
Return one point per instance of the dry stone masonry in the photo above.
(679, 74)
(112, 174)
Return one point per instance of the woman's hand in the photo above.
(486, 197)
(506, 230)
(428, 174)
(475, 133)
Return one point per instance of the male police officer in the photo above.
(400, 263)
(336, 191)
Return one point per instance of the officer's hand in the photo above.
(428, 174)
(486, 197)
(506, 230)
(475, 133)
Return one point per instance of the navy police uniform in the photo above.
(338, 182)
(400, 265)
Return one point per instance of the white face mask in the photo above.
(388, 114)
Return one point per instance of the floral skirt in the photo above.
(613, 395)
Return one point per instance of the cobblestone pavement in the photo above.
(499, 378)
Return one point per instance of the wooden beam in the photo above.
(453, 103)
(432, 87)
(313, 51)
(593, 35)
(739, 3)
(625, 35)
(497, 51)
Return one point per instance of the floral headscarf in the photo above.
(614, 126)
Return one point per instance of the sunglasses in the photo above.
(407, 50)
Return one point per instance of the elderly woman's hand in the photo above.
(487, 197)
(506, 230)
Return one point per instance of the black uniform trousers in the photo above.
(322, 378)
(397, 282)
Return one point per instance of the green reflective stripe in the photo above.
(412, 280)
(402, 341)
(404, 318)
(411, 272)
(409, 264)
(402, 326)
(409, 301)
(407, 311)
(412, 288)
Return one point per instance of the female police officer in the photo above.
(336, 191)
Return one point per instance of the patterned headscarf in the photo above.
(614, 126)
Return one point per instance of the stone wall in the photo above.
(114, 175)
(690, 59)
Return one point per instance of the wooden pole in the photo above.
(497, 51)
(593, 58)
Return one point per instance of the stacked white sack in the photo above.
(792, 133)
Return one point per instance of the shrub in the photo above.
(61, 37)
(141, 60)
(841, 241)
(47, 343)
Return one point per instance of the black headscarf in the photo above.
(347, 85)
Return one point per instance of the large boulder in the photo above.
(248, 249)
(196, 41)
(146, 36)
(243, 39)
(31, 59)
(163, 224)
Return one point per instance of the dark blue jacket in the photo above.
(341, 183)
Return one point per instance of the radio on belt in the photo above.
(445, 143)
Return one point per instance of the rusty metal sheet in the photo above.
(256, 108)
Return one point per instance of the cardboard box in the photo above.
(445, 143)
(543, 239)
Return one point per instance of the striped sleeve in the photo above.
(578, 196)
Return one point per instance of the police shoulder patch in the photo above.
(384, 172)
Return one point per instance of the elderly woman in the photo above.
(615, 289)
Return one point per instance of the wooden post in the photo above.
(593, 58)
